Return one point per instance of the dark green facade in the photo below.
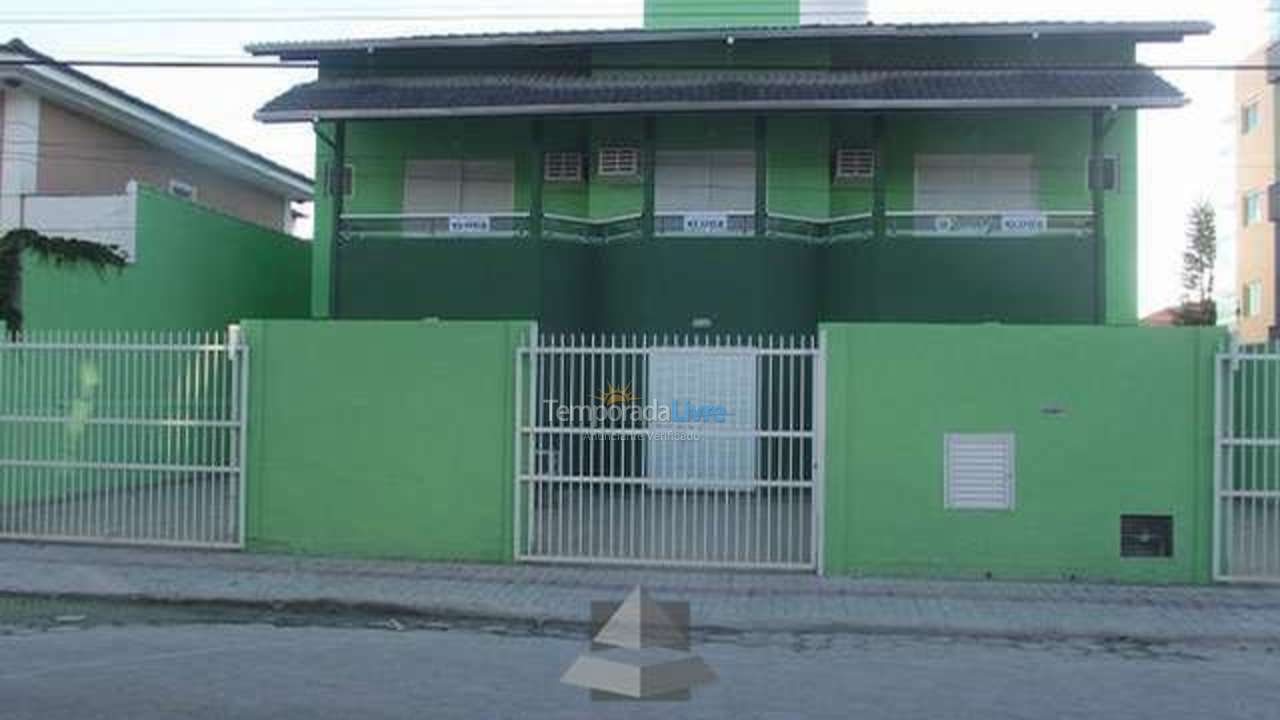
(759, 281)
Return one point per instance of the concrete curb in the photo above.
(720, 602)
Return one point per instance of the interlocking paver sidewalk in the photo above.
(765, 602)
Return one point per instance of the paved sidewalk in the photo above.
(747, 602)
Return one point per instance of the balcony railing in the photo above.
(996, 224)
(799, 227)
(601, 230)
(988, 223)
(434, 225)
(701, 223)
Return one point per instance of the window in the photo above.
(348, 180)
(855, 164)
(182, 189)
(1252, 305)
(1249, 116)
(459, 186)
(978, 471)
(619, 162)
(562, 167)
(976, 182)
(1252, 207)
(701, 180)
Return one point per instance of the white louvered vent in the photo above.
(562, 167)
(855, 163)
(979, 471)
(619, 162)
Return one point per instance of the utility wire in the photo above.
(582, 69)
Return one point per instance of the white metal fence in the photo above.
(123, 437)
(1246, 543)
(701, 451)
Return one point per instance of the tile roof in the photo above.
(568, 93)
(1150, 31)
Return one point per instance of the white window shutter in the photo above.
(433, 186)
(488, 186)
(682, 181)
(978, 471)
(733, 181)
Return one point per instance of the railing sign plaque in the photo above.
(1024, 223)
(469, 224)
(706, 222)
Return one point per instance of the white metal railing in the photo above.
(434, 225)
(124, 437)
(1246, 512)
(695, 451)
(989, 223)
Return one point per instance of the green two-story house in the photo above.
(730, 177)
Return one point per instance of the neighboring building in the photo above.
(1164, 317)
(65, 133)
(1255, 226)
(203, 221)
(745, 179)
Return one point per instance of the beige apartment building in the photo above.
(65, 134)
(1255, 176)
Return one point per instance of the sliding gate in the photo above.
(1246, 543)
(699, 451)
(115, 437)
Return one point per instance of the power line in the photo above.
(534, 69)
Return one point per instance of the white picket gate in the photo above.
(691, 451)
(123, 437)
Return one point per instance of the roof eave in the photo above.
(1127, 103)
(1174, 31)
(90, 95)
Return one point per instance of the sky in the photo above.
(1184, 155)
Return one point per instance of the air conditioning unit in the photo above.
(1104, 172)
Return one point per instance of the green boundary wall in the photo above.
(196, 269)
(382, 439)
(1107, 420)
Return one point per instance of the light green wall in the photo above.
(661, 14)
(387, 439)
(1134, 435)
(196, 269)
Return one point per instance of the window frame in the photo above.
(1251, 208)
(1252, 299)
(1250, 115)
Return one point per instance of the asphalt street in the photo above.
(142, 667)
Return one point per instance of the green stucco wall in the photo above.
(196, 269)
(1107, 421)
(387, 439)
